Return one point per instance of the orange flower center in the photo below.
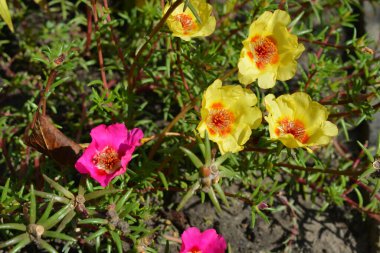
(107, 160)
(219, 120)
(194, 249)
(187, 22)
(263, 51)
(293, 127)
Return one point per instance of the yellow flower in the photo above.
(297, 121)
(270, 51)
(183, 24)
(228, 115)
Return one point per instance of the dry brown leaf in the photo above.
(47, 139)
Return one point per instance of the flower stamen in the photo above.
(187, 22)
(219, 120)
(293, 127)
(107, 160)
(194, 250)
(263, 51)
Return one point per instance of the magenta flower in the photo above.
(109, 152)
(193, 241)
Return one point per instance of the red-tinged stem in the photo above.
(89, 29)
(179, 63)
(350, 113)
(310, 169)
(50, 81)
(325, 43)
(131, 83)
(347, 101)
(365, 187)
(99, 46)
(353, 204)
(116, 40)
(160, 139)
(319, 53)
(294, 231)
(42, 103)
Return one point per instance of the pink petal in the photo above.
(212, 242)
(112, 135)
(128, 147)
(191, 238)
(84, 164)
(115, 136)
(135, 136)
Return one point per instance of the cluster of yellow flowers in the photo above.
(269, 53)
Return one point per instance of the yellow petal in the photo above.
(267, 80)
(228, 114)
(297, 121)
(276, 60)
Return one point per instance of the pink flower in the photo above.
(109, 152)
(193, 241)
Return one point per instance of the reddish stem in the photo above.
(89, 29)
(99, 46)
(116, 40)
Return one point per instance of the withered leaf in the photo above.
(47, 139)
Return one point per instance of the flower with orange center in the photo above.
(270, 51)
(228, 115)
(297, 121)
(183, 24)
(109, 152)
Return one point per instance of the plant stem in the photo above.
(310, 169)
(131, 83)
(99, 45)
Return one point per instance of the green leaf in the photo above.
(163, 179)
(262, 215)
(207, 150)
(21, 245)
(57, 235)
(221, 194)
(97, 234)
(366, 151)
(360, 197)
(93, 221)
(32, 215)
(366, 173)
(14, 240)
(123, 199)
(221, 159)
(4, 193)
(45, 245)
(196, 161)
(376, 189)
(195, 12)
(116, 238)
(5, 14)
(59, 188)
(100, 193)
(185, 4)
(46, 213)
(167, 247)
(214, 200)
(57, 217)
(201, 145)
(15, 226)
(52, 197)
(253, 217)
(188, 195)
(66, 220)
